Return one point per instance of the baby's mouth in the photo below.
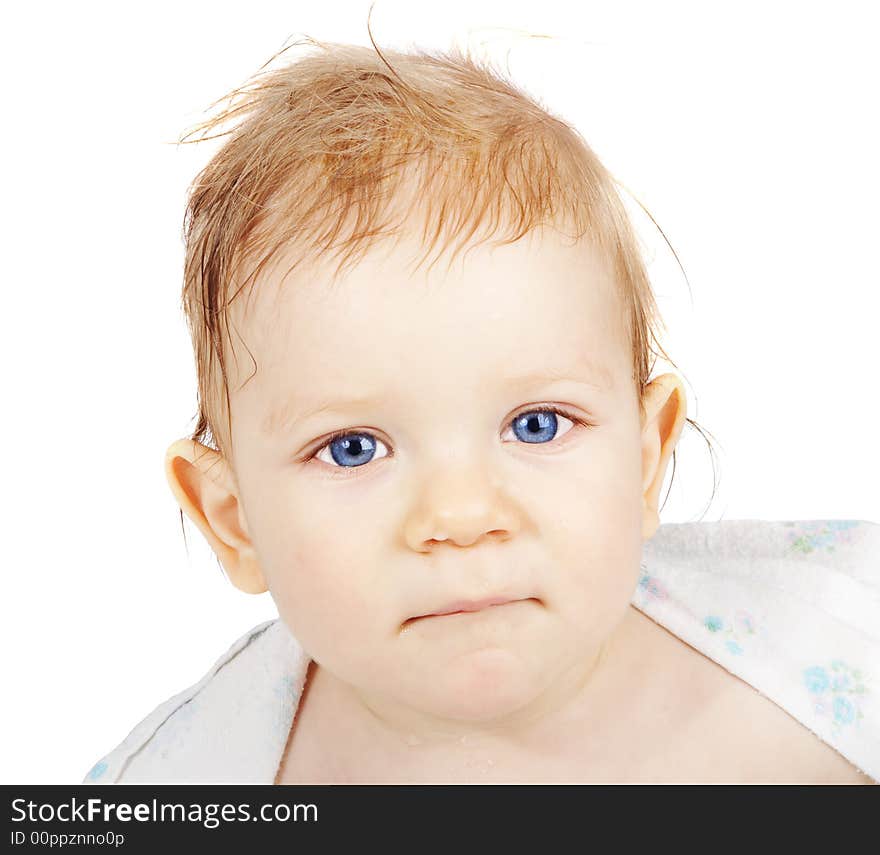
(463, 607)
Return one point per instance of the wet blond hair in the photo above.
(323, 147)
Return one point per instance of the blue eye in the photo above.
(352, 449)
(536, 426)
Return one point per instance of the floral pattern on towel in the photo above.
(96, 771)
(836, 692)
(737, 632)
(807, 536)
(650, 588)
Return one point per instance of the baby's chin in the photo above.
(481, 685)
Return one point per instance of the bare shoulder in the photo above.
(773, 744)
(736, 734)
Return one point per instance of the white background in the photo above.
(749, 131)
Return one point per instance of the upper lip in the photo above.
(470, 605)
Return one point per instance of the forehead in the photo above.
(543, 305)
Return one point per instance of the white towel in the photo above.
(792, 608)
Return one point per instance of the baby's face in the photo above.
(450, 479)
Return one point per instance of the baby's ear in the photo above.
(205, 489)
(665, 413)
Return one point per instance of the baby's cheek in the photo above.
(598, 572)
(320, 600)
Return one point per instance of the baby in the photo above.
(443, 472)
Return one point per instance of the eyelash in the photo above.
(549, 408)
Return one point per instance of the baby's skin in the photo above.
(426, 439)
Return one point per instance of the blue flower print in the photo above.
(836, 694)
(96, 771)
(650, 588)
(816, 679)
(807, 536)
(844, 711)
(738, 632)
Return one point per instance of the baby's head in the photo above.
(379, 438)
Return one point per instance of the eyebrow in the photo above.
(282, 416)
